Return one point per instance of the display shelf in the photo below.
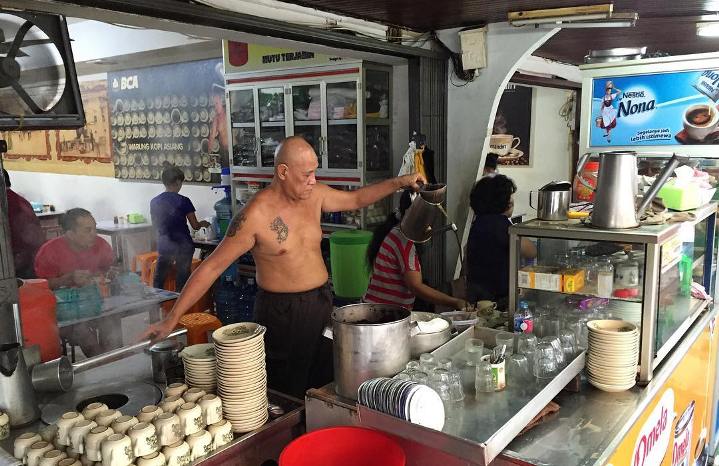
(346, 121)
(339, 226)
(586, 291)
(667, 267)
(272, 124)
(308, 123)
(243, 125)
(372, 121)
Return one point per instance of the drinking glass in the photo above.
(456, 393)
(545, 368)
(474, 348)
(566, 337)
(442, 389)
(483, 381)
(402, 376)
(556, 344)
(444, 363)
(506, 339)
(427, 362)
(552, 326)
(438, 375)
(569, 350)
(420, 377)
(526, 342)
(518, 369)
(413, 365)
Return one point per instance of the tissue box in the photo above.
(572, 280)
(540, 278)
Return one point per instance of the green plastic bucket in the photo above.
(348, 261)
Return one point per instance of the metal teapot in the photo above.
(17, 396)
(616, 191)
(425, 212)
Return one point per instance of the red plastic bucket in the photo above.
(343, 446)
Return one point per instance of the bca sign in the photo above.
(126, 82)
(654, 437)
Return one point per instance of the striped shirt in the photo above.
(397, 255)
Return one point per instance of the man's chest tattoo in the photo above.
(279, 227)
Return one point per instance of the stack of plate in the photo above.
(612, 354)
(626, 310)
(241, 375)
(404, 399)
(200, 371)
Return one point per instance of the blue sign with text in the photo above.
(661, 109)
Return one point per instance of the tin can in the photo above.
(683, 437)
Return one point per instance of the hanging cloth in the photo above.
(408, 160)
(419, 162)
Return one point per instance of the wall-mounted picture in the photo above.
(511, 131)
(91, 142)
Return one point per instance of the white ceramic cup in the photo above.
(123, 423)
(4, 425)
(168, 428)
(78, 434)
(144, 439)
(211, 406)
(171, 403)
(64, 425)
(93, 441)
(36, 450)
(85, 461)
(501, 144)
(193, 395)
(221, 433)
(177, 454)
(71, 453)
(154, 459)
(200, 444)
(117, 450)
(93, 409)
(700, 131)
(48, 433)
(107, 417)
(69, 462)
(149, 413)
(22, 444)
(175, 389)
(190, 415)
(52, 457)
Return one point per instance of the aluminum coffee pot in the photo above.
(17, 396)
(425, 213)
(616, 191)
(552, 200)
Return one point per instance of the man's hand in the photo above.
(158, 331)
(414, 181)
(81, 277)
(460, 304)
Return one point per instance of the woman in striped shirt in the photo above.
(396, 270)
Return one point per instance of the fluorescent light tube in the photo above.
(709, 29)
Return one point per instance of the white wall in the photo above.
(104, 197)
(550, 148)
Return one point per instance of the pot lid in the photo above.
(557, 186)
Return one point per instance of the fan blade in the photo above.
(19, 36)
(5, 46)
(26, 98)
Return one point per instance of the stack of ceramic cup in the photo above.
(612, 354)
(241, 376)
(199, 362)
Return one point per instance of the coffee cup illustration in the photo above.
(700, 121)
(501, 144)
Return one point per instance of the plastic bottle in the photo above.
(524, 318)
(605, 279)
(223, 211)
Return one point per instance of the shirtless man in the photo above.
(281, 226)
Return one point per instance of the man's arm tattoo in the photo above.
(279, 227)
(236, 224)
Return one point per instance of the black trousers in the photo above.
(298, 356)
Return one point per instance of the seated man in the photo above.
(26, 234)
(74, 260)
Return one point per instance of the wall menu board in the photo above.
(665, 109)
(168, 114)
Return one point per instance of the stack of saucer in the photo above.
(612, 354)
(200, 371)
(241, 376)
(407, 400)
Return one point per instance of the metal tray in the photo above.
(478, 428)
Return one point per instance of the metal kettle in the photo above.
(552, 200)
(425, 212)
(616, 190)
(17, 396)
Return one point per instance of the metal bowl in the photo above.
(426, 342)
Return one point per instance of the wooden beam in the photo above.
(605, 9)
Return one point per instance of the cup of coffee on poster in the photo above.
(501, 144)
(700, 120)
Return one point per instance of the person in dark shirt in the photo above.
(492, 201)
(170, 213)
(26, 234)
(490, 165)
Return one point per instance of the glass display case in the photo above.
(643, 275)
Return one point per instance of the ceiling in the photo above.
(664, 26)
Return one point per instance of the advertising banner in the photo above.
(241, 57)
(662, 109)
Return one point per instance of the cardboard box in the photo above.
(572, 280)
(540, 278)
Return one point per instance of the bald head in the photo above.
(295, 150)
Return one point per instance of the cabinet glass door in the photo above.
(242, 119)
(271, 103)
(307, 116)
(377, 96)
(342, 125)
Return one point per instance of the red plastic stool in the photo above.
(198, 324)
(345, 446)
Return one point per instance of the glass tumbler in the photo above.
(556, 344)
(421, 378)
(566, 337)
(412, 365)
(526, 342)
(475, 349)
(402, 376)
(569, 351)
(456, 392)
(553, 326)
(483, 381)
(444, 363)
(506, 339)
(427, 362)
(545, 368)
(518, 369)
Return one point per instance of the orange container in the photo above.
(589, 173)
(198, 324)
(39, 322)
(202, 304)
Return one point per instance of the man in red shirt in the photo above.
(76, 257)
(73, 260)
(26, 234)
